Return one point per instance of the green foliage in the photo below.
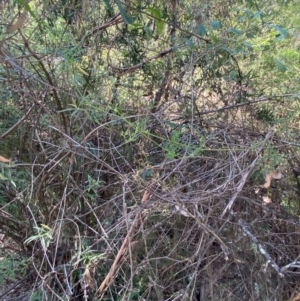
(102, 101)
(127, 19)
(43, 234)
(12, 267)
(36, 295)
(264, 113)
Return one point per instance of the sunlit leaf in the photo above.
(157, 18)
(154, 12)
(78, 67)
(160, 26)
(27, 7)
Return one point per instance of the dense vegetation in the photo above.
(135, 141)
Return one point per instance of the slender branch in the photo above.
(247, 174)
(18, 123)
(124, 71)
(247, 103)
(113, 21)
(124, 248)
(261, 249)
(59, 105)
(16, 285)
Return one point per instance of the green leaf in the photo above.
(248, 45)
(154, 12)
(157, 19)
(258, 15)
(201, 30)
(27, 7)
(146, 174)
(230, 51)
(281, 67)
(108, 5)
(233, 75)
(148, 32)
(127, 19)
(160, 26)
(190, 43)
(21, 2)
(215, 24)
(171, 124)
(250, 35)
(282, 32)
(235, 31)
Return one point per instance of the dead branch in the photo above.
(124, 248)
(247, 173)
(261, 248)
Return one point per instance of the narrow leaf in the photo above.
(160, 26)
(171, 124)
(148, 32)
(154, 12)
(127, 19)
(108, 5)
(157, 18)
(281, 67)
(28, 8)
(281, 30)
(235, 31)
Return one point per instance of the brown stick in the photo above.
(124, 248)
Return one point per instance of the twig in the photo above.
(242, 104)
(247, 173)
(16, 285)
(18, 123)
(113, 21)
(261, 249)
(124, 248)
(294, 264)
(49, 79)
(123, 71)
